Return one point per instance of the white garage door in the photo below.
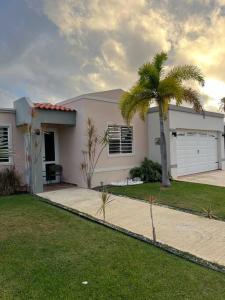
(196, 152)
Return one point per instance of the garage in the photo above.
(197, 151)
(195, 142)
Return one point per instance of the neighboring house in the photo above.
(195, 143)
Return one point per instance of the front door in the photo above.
(50, 155)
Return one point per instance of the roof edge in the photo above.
(90, 97)
(7, 110)
(187, 110)
(51, 107)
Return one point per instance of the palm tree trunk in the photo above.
(163, 150)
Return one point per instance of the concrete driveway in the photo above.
(187, 232)
(216, 178)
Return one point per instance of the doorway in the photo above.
(50, 154)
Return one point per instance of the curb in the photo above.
(166, 248)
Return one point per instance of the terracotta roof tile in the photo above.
(49, 106)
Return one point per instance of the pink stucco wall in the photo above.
(72, 141)
(18, 158)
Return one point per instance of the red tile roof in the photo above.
(50, 106)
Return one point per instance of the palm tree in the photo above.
(157, 86)
(222, 104)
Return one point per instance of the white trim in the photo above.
(10, 144)
(7, 110)
(111, 169)
(196, 130)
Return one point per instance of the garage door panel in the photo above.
(196, 152)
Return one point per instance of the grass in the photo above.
(46, 253)
(185, 195)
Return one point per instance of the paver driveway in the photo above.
(216, 178)
(190, 233)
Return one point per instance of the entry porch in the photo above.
(44, 126)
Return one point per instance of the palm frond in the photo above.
(170, 88)
(142, 109)
(136, 100)
(187, 72)
(159, 60)
(192, 97)
(149, 76)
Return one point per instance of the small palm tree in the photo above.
(155, 86)
(106, 198)
(222, 104)
(151, 200)
(94, 148)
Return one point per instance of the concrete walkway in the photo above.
(187, 232)
(216, 178)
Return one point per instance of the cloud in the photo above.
(6, 99)
(115, 37)
(203, 43)
(56, 49)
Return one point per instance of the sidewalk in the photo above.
(187, 232)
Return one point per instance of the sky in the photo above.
(52, 50)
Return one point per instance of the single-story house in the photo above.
(195, 142)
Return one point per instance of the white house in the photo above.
(195, 142)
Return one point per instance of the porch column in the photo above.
(37, 176)
(33, 148)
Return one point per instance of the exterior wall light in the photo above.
(37, 131)
(174, 133)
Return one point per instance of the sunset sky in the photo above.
(51, 50)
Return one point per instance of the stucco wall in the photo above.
(154, 134)
(73, 140)
(18, 158)
(183, 120)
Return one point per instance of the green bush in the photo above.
(10, 182)
(135, 172)
(149, 171)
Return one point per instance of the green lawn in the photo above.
(186, 195)
(46, 253)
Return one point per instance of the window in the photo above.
(4, 144)
(120, 139)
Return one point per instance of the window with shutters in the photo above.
(4, 145)
(120, 139)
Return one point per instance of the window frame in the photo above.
(10, 161)
(133, 143)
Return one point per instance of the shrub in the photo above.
(149, 171)
(10, 182)
(135, 172)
